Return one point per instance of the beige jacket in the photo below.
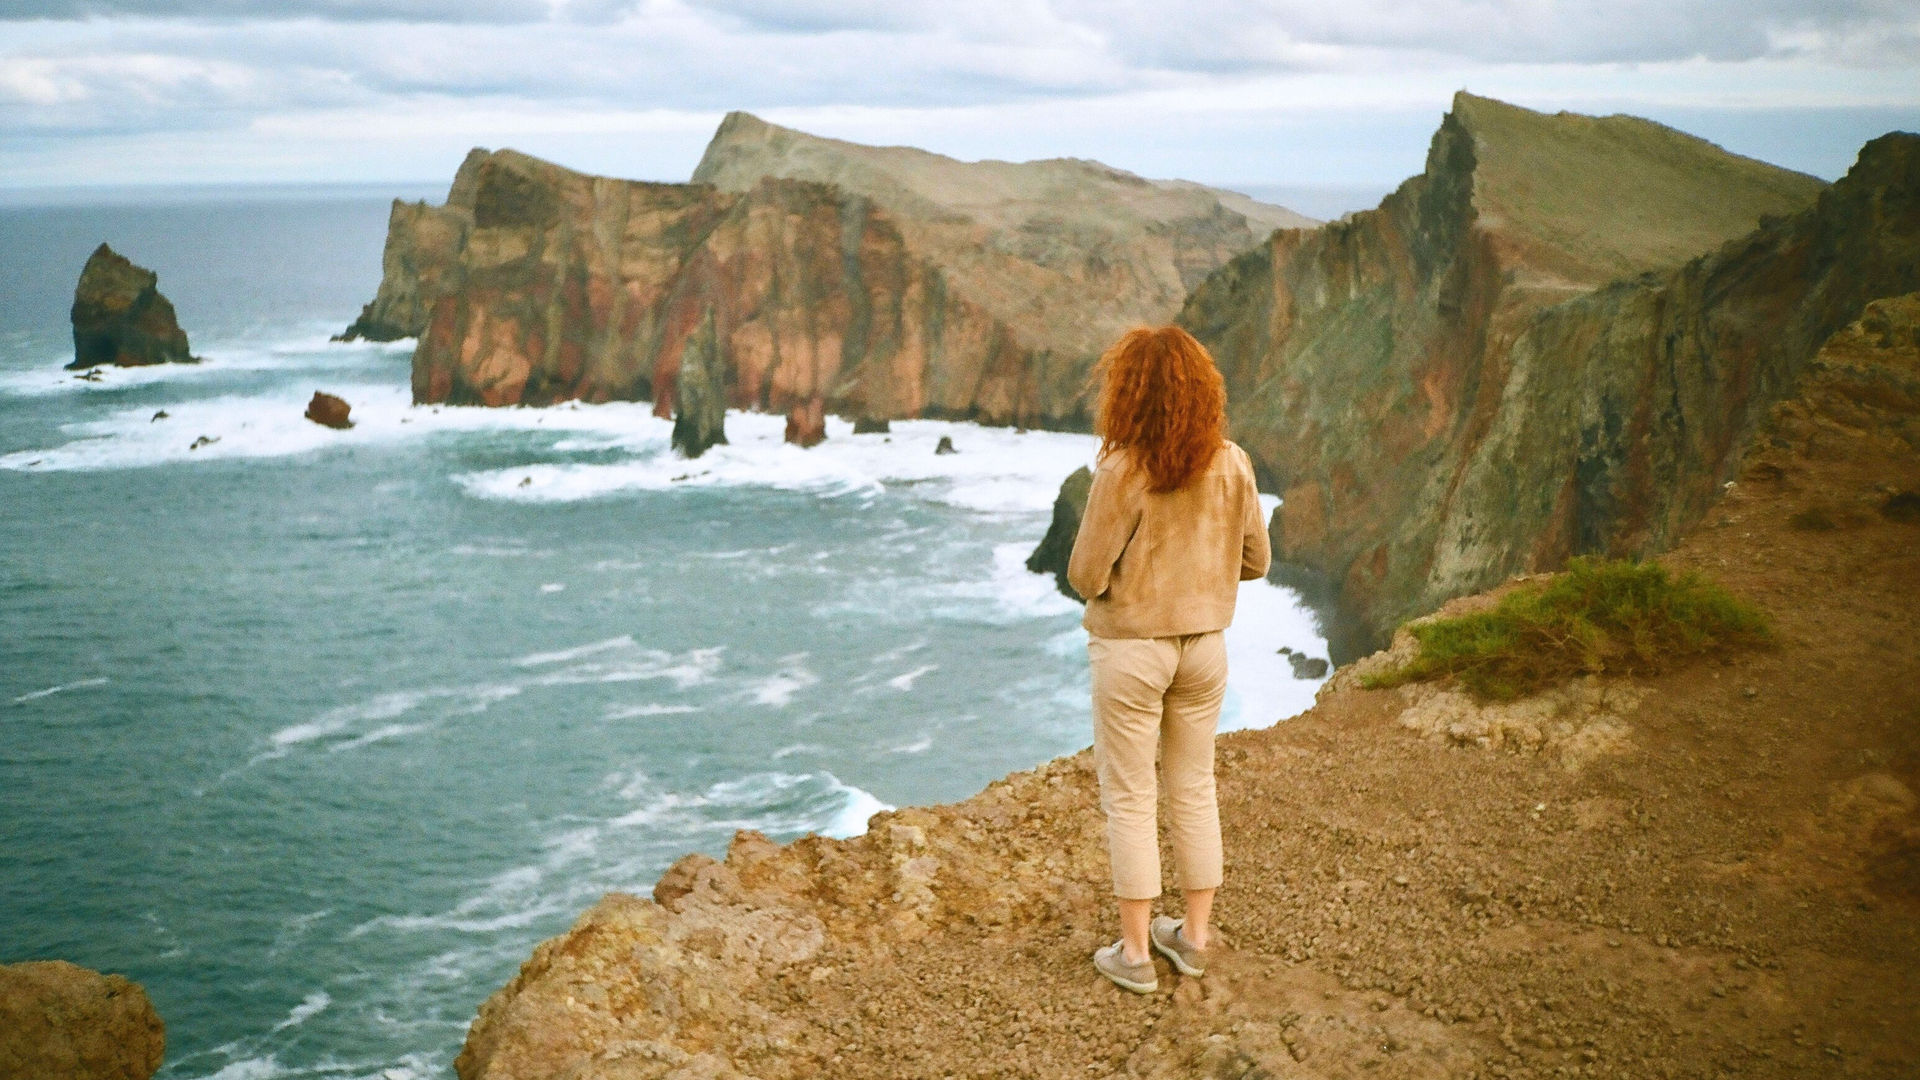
(1163, 565)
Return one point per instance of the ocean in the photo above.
(315, 733)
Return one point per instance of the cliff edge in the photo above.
(1711, 871)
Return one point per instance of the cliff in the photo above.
(1417, 885)
(1553, 341)
(1067, 254)
(120, 317)
(866, 281)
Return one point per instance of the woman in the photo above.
(1172, 527)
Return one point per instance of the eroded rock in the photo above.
(120, 317)
(1474, 380)
(329, 411)
(59, 1021)
(807, 423)
(889, 283)
(1068, 508)
(700, 393)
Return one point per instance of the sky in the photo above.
(1255, 94)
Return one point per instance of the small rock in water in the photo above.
(329, 411)
(1304, 666)
(945, 446)
(161, 415)
(203, 440)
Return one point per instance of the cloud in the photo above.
(437, 11)
(1035, 75)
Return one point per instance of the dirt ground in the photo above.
(1709, 872)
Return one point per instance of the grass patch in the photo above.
(1599, 616)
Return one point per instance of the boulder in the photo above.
(807, 423)
(329, 411)
(700, 393)
(120, 318)
(1068, 507)
(59, 1021)
(944, 446)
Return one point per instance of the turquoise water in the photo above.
(316, 733)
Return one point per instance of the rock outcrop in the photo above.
(121, 319)
(1068, 508)
(700, 393)
(59, 1021)
(1553, 341)
(807, 423)
(329, 411)
(1065, 253)
(422, 259)
(862, 281)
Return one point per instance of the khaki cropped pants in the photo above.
(1158, 694)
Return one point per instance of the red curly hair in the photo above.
(1162, 399)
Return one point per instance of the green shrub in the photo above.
(1599, 616)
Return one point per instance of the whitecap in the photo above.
(633, 712)
(273, 424)
(918, 746)
(1261, 688)
(36, 695)
(905, 682)
(561, 656)
(851, 818)
(309, 1007)
(266, 1067)
(777, 690)
(381, 734)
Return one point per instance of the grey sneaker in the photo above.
(1139, 978)
(1169, 942)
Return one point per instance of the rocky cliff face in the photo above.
(700, 394)
(59, 1021)
(873, 285)
(1067, 254)
(120, 317)
(1448, 389)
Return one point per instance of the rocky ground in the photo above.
(1711, 871)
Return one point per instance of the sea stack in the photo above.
(1068, 508)
(700, 393)
(807, 423)
(120, 318)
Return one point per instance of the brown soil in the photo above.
(1713, 872)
